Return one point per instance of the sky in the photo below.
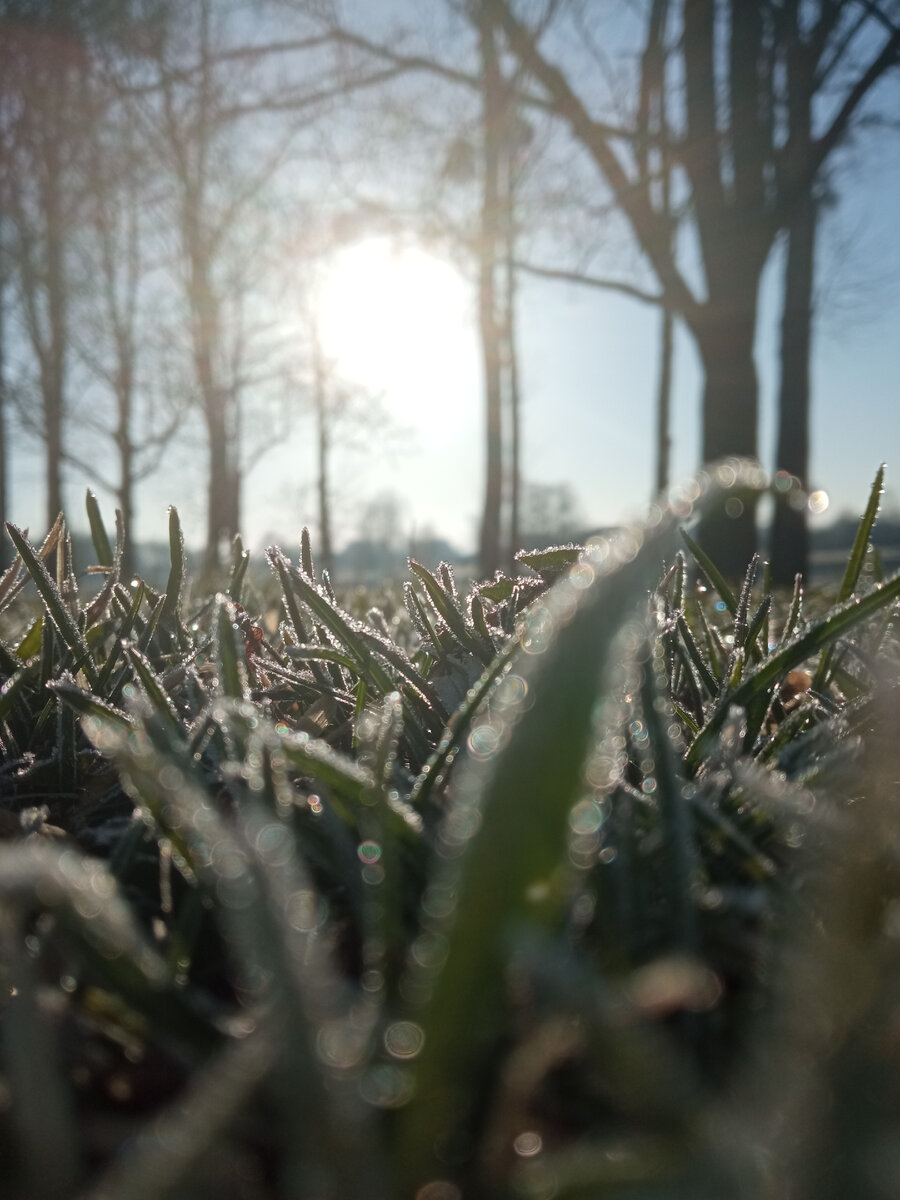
(402, 326)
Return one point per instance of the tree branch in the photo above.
(591, 281)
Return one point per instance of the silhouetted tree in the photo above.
(744, 182)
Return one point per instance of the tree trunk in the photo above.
(730, 409)
(789, 550)
(126, 476)
(511, 364)
(218, 499)
(320, 400)
(490, 551)
(790, 534)
(664, 403)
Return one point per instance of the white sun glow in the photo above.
(398, 320)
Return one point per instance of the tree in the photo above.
(52, 55)
(43, 65)
(116, 335)
(810, 61)
(744, 184)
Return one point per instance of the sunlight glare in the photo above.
(398, 320)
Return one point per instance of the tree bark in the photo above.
(789, 549)
(490, 551)
(730, 413)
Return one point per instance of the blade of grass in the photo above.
(102, 548)
(56, 608)
(815, 637)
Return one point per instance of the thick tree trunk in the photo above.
(790, 535)
(490, 551)
(730, 412)
(789, 550)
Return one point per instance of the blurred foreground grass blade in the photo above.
(505, 836)
(679, 838)
(56, 608)
(817, 1099)
(42, 1103)
(263, 900)
(815, 637)
(160, 1159)
(308, 756)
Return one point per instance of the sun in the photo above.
(398, 320)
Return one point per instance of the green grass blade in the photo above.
(816, 637)
(99, 537)
(444, 606)
(853, 570)
(240, 561)
(310, 756)
(153, 689)
(306, 558)
(861, 541)
(457, 728)
(55, 606)
(42, 1103)
(231, 663)
(711, 573)
(87, 705)
(506, 836)
(341, 627)
(696, 656)
(121, 636)
(170, 616)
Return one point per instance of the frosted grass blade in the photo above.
(99, 537)
(853, 569)
(446, 609)
(232, 665)
(56, 608)
(170, 616)
(823, 633)
(457, 728)
(711, 573)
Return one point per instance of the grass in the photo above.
(581, 884)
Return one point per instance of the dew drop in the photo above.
(404, 1039)
(527, 1144)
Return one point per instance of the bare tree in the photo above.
(117, 335)
(738, 160)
